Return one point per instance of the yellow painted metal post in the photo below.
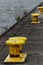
(18, 38)
(41, 9)
(15, 54)
(14, 51)
(35, 18)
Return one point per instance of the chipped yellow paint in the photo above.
(14, 59)
(15, 47)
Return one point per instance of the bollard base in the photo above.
(16, 59)
(35, 22)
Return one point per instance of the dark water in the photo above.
(9, 9)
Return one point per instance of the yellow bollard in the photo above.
(18, 38)
(41, 9)
(35, 18)
(15, 55)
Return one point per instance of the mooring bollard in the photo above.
(41, 9)
(35, 18)
(18, 38)
(15, 47)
